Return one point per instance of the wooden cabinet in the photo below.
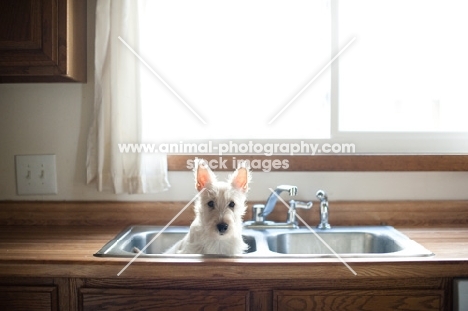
(357, 300)
(266, 295)
(110, 294)
(38, 298)
(43, 41)
(160, 300)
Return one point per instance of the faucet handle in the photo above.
(304, 205)
(299, 204)
(293, 205)
(292, 190)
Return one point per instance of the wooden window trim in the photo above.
(344, 163)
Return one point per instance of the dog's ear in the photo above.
(240, 179)
(204, 175)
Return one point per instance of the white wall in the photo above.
(54, 119)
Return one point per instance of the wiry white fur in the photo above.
(204, 236)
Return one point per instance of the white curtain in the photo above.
(118, 106)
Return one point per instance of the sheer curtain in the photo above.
(118, 106)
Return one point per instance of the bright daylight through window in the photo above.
(408, 70)
(238, 64)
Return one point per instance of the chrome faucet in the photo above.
(323, 198)
(260, 211)
(273, 198)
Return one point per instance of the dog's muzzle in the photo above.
(222, 227)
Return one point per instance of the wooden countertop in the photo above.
(67, 251)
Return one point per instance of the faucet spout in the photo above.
(273, 198)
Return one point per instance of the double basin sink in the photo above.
(365, 241)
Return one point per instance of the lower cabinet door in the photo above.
(151, 300)
(26, 298)
(359, 300)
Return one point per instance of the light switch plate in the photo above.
(36, 174)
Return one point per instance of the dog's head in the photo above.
(221, 204)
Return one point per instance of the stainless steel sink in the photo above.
(128, 242)
(379, 241)
(341, 243)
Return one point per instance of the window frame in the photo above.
(401, 161)
(347, 163)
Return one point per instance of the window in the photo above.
(402, 86)
(237, 64)
(408, 71)
(399, 87)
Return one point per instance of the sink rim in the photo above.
(410, 248)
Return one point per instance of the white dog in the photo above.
(217, 228)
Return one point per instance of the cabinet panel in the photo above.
(42, 40)
(21, 24)
(359, 300)
(26, 298)
(158, 300)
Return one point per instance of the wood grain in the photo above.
(342, 213)
(241, 294)
(343, 163)
(264, 293)
(60, 258)
(162, 300)
(263, 285)
(359, 300)
(28, 298)
(46, 42)
(67, 251)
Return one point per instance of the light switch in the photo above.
(36, 174)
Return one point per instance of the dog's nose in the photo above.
(222, 227)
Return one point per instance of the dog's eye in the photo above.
(231, 204)
(211, 204)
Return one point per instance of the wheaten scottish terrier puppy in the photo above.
(217, 228)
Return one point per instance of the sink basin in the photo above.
(341, 243)
(135, 238)
(377, 241)
(346, 242)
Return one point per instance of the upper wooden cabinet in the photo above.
(42, 41)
